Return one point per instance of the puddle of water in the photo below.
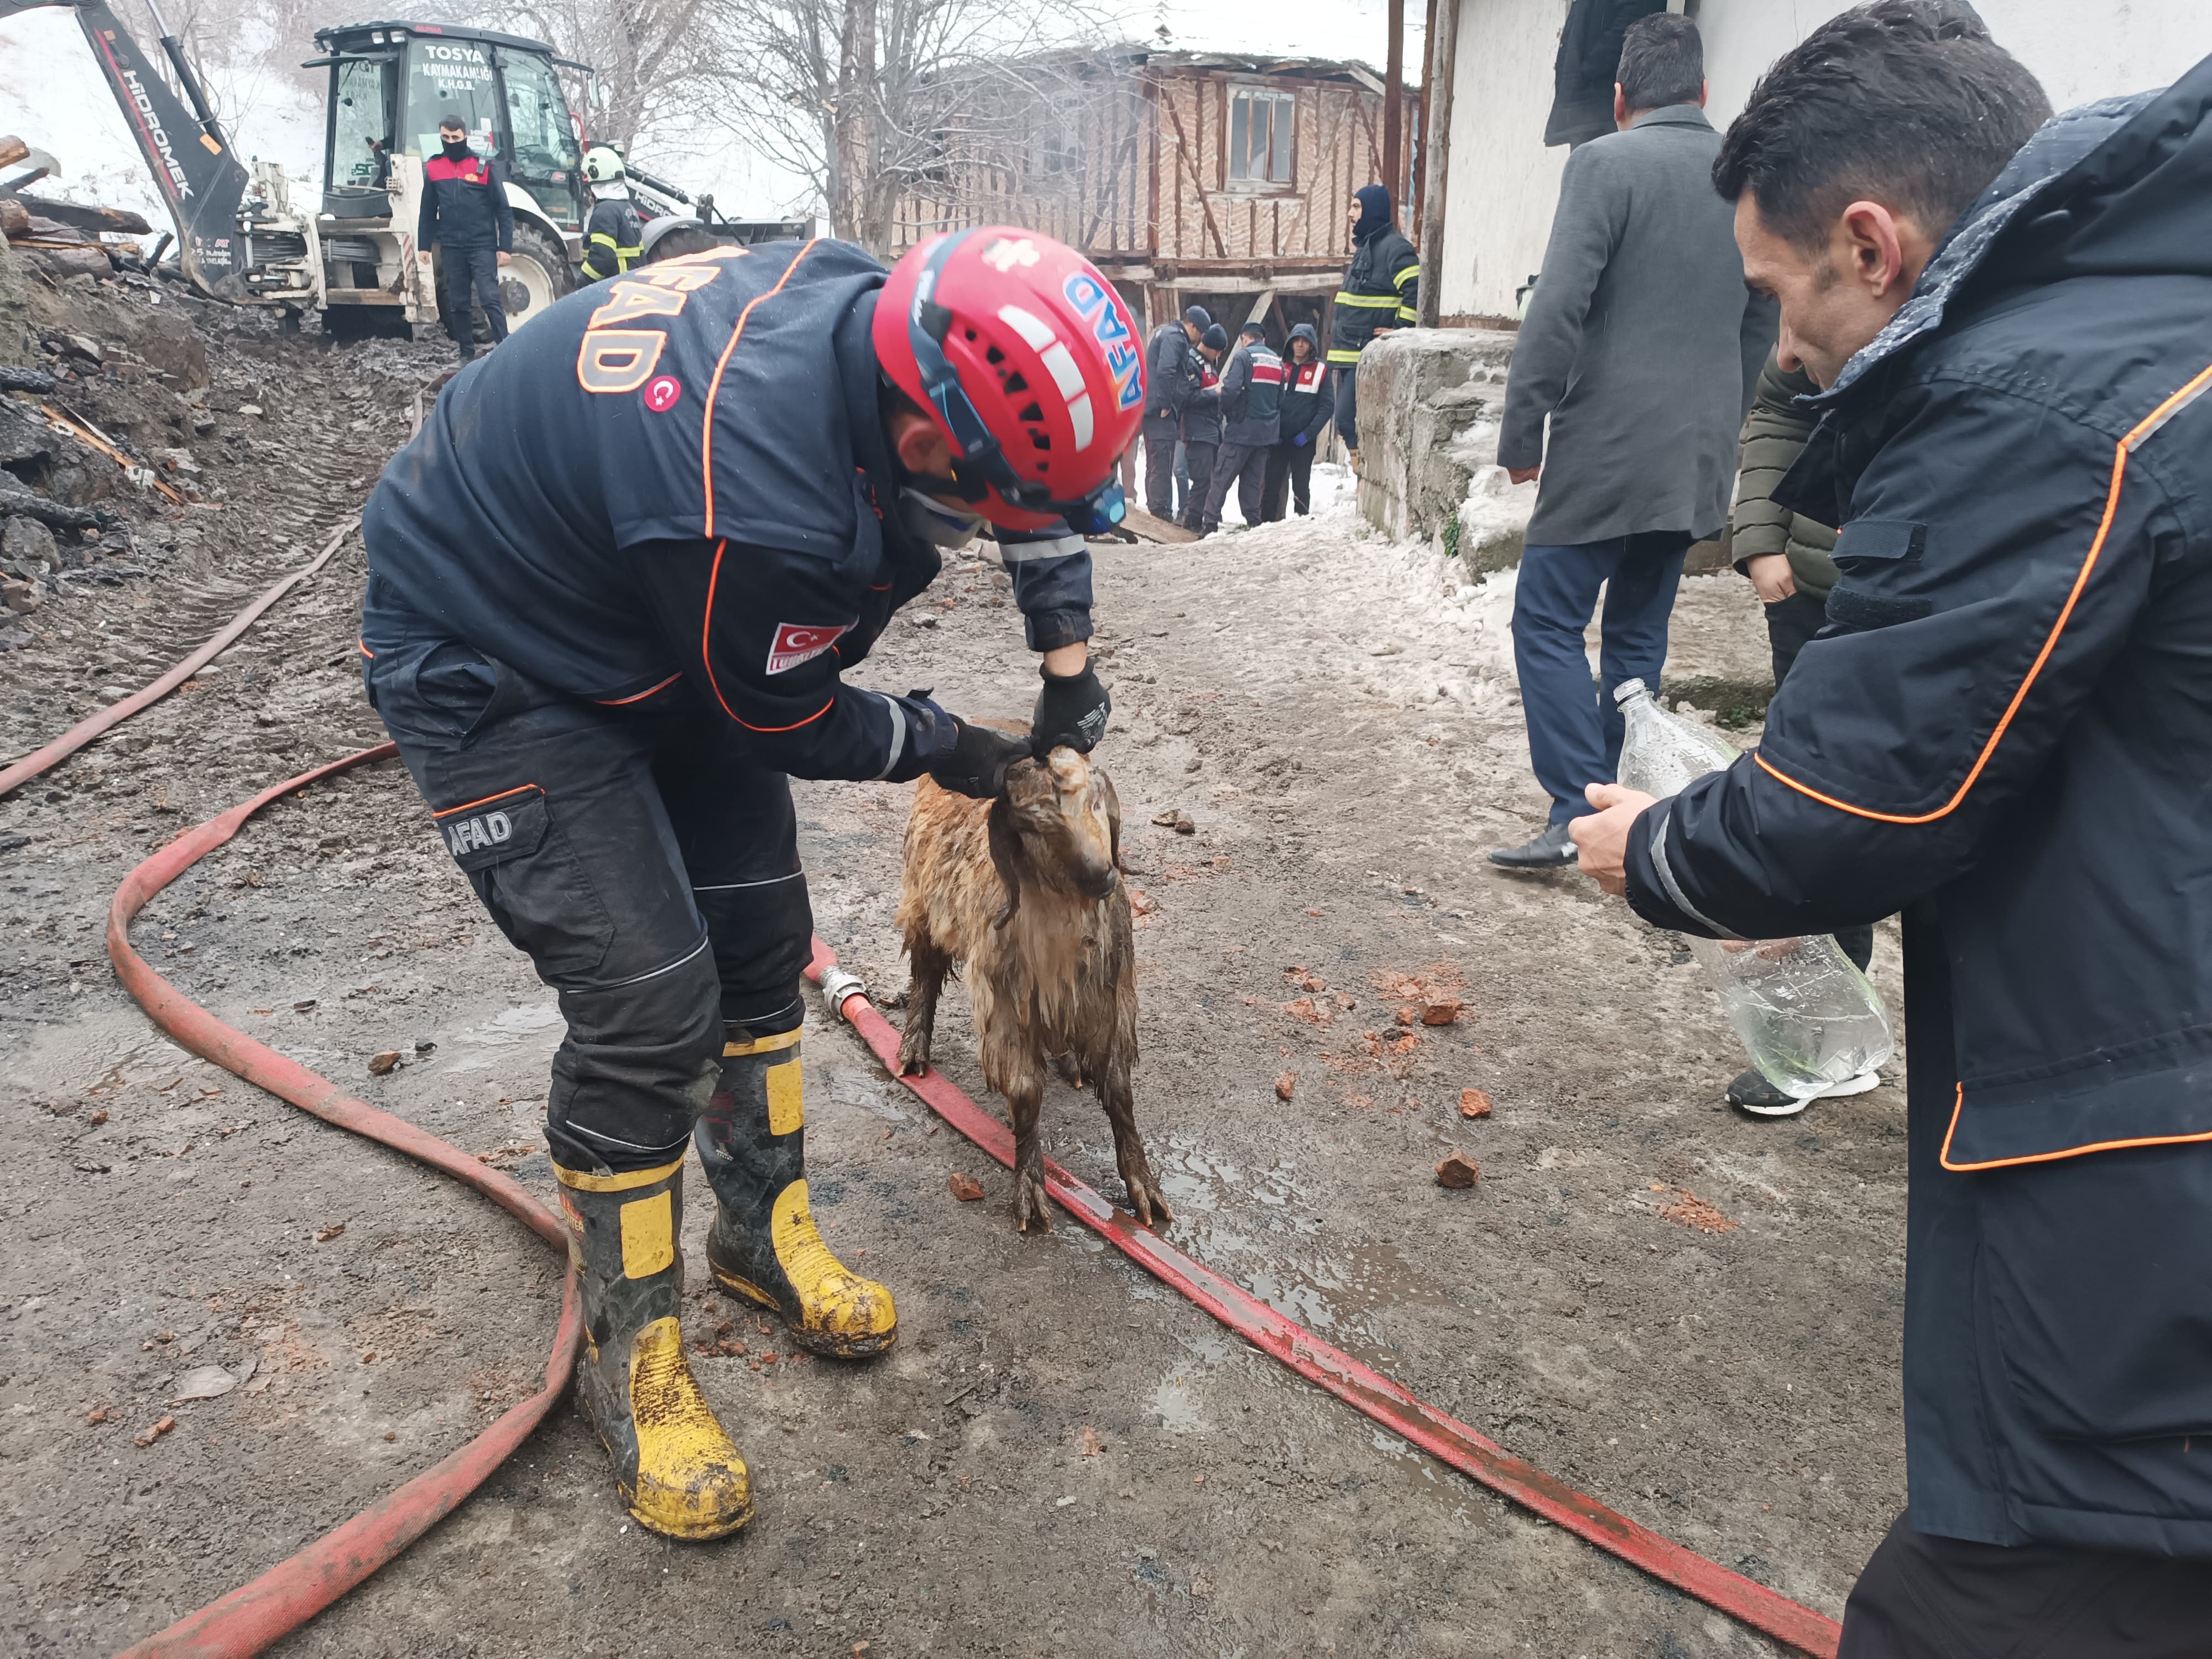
(505, 1030)
(869, 1092)
(1176, 1402)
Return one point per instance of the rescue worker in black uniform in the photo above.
(467, 213)
(614, 236)
(1382, 289)
(1251, 395)
(1306, 409)
(1171, 365)
(614, 583)
(1201, 425)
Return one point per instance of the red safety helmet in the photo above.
(1025, 359)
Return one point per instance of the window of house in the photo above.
(1259, 134)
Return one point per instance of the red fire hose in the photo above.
(1364, 1389)
(115, 712)
(285, 1597)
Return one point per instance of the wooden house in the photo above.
(1187, 177)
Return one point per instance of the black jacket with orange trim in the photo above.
(673, 488)
(2006, 731)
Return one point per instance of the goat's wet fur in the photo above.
(1022, 894)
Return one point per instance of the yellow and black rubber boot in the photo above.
(679, 1473)
(764, 1246)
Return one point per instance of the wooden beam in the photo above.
(1260, 305)
(1393, 99)
(1428, 69)
(1436, 154)
(12, 150)
(1190, 165)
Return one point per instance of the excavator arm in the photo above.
(190, 157)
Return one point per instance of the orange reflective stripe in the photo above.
(519, 789)
(795, 725)
(639, 697)
(714, 390)
(1959, 1105)
(2127, 446)
(706, 630)
(365, 650)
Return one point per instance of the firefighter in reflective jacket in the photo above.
(614, 583)
(1381, 290)
(614, 237)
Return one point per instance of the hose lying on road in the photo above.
(1365, 1390)
(115, 713)
(289, 1594)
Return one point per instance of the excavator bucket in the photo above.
(201, 180)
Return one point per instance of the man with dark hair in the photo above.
(1170, 374)
(1640, 350)
(1201, 424)
(466, 212)
(1251, 396)
(2004, 732)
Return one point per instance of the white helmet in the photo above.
(603, 165)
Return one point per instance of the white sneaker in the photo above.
(1751, 1092)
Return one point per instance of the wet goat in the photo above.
(1024, 893)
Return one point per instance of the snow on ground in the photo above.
(53, 97)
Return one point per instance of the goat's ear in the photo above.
(1005, 857)
(1113, 816)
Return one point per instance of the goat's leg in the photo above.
(1014, 1065)
(930, 967)
(1114, 1094)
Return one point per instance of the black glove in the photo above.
(1070, 710)
(976, 764)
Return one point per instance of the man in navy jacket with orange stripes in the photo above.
(618, 584)
(2005, 732)
(467, 213)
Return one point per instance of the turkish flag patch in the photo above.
(798, 642)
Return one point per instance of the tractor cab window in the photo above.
(451, 77)
(544, 160)
(361, 129)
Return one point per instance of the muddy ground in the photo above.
(1059, 1456)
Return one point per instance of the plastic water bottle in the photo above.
(1808, 1017)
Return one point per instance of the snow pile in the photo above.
(1398, 621)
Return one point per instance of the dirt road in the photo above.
(1693, 1315)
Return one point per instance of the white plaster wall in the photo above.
(2080, 50)
(1505, 182)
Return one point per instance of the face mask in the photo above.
(931, 520)
(456, 150)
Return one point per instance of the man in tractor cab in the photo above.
(614, 583)
(467, 213)
(614, 239)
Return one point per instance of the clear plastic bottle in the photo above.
(1808, 1017)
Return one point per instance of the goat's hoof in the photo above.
(1031, 1205)
(1146, 1202)
(913, 1062)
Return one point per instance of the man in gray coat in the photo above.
(1642, 346)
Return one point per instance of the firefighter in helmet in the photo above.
(615, 583)
(614, 236)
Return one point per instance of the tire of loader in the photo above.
(533, 280)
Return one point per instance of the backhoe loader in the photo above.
(242, 238)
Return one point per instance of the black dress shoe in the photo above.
(1549, 851)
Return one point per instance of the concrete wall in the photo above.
(1429, 402)
(1504, 183)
